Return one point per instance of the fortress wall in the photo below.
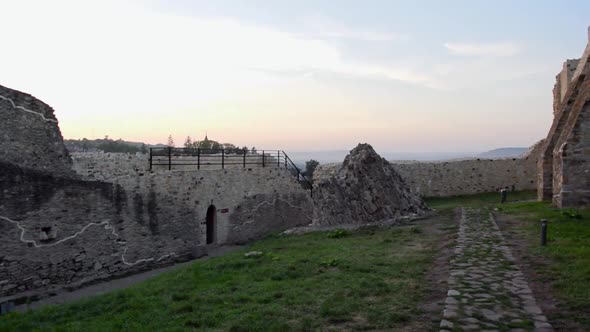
(29, 133)
(465, 177)
(59, 232)
(250, 202)
(107, 166)
(564, 171)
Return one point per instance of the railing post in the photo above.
(151, 159)
(222, 158)
(278, 159)
(169, 158)
(262, 158)
(245, 151)
(285, 156)
(198, 158)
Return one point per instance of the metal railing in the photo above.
(186, 158)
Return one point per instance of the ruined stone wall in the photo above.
(61, 229)
(58, 231)
(251, 202)
(571, 157)
(29, 133)
(565, 77)
(564, 168)
(107, 166)
(61, 232)
(364, 189)
(465, 177)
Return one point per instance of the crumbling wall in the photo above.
(365, 188)
(564, 169)
(29, 133)
(61, 230)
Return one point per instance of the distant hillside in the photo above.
(337, 156)
(110, 145)
(503, 153)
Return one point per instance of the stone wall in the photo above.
(251, 202)
(59, 231)
(564, 167)
(107, 166)
(465, 177)
(29, 133)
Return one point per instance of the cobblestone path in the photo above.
(487, 291)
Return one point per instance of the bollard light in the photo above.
(543, 232)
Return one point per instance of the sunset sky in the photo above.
(296, 75)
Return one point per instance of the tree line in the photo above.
(208, 144)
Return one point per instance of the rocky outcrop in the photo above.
(365, 188)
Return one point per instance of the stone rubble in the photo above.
(365, 188)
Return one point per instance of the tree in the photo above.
(84, 144)
(205, 144)
(188, 143)
(230, 148)
(143, 148)
(310, 167)
(253, 150)
(170, 141)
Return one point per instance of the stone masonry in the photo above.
(470, 176)
(59, 229)
(30, 136)
(564, 166)
(365, 188)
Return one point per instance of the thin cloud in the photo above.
(323, 27)
(484, 49)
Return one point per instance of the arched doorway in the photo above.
(211, 221)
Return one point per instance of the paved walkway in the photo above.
(487, 291)
(115, 284)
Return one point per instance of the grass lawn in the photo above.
(479, 200)
(567, 252)
(340, 280)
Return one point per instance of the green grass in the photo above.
(479, 200)
(350, 280)
(567, 253)
(568, 250)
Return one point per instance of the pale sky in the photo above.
(296, 75)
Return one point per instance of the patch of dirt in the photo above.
(532, 267)
(442, 227)
(401, 221)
